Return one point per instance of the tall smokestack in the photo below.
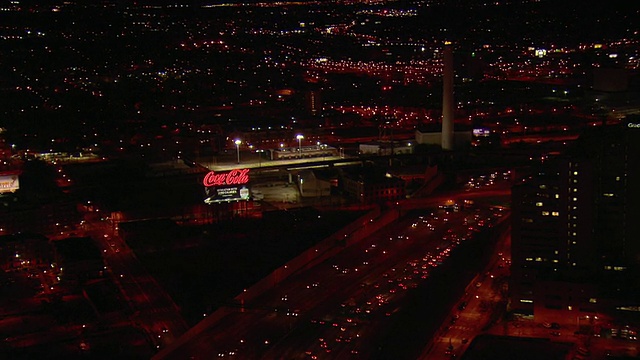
(447, 98)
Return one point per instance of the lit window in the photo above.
(557, 196)
(543, 186)
(538, 259)
(575, 173)
(555, 260)
(575, 199)
(569, 307)
(593, 300)
(539, 204)
(526, 301)
(529, 259)
(555, 213)
(545, 213)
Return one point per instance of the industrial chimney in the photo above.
(447, 98)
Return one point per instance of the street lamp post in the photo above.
(238, 142)
(259, 157)
(300, 137)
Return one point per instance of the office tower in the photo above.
(551, 237)
(574, 240)
(313, 101)
(615, 154)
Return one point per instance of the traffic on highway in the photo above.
(340, 307)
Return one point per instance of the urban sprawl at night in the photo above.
(343, 179)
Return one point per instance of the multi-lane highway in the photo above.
(479, 308)
(340, 307)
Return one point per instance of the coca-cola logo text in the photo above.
(233, 177)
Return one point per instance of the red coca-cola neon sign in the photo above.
(233, 177)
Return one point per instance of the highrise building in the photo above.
(551, 236)
(574, 241)
(615, 154)
(313, 101)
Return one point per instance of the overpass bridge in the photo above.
(259, 165)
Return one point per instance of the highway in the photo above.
(340, 307)
(478, 309)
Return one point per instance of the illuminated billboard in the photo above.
(481, 132)
(9, 183)
(226, 186)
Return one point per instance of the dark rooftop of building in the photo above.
(508, 348)
(77, 249)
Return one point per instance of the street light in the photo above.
(238, 142)
(300, 137)
(259, 157)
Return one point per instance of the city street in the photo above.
(153, 309)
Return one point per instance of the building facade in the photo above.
(575, 248)
(371, 185)
(551, 237)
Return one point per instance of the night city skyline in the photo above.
(344, 179)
